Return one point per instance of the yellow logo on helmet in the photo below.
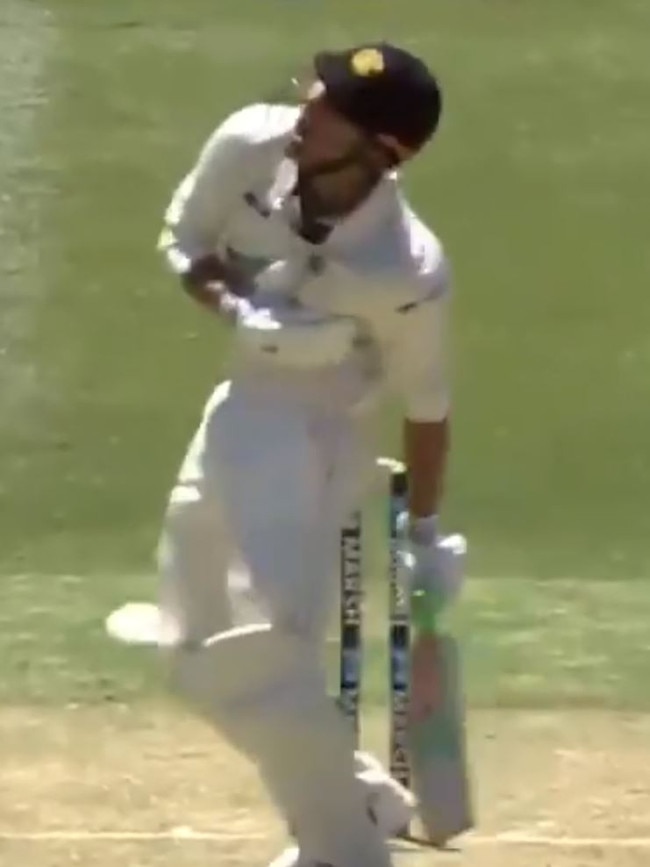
(368, 61)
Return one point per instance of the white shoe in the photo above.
(290, 858)
(390, 805)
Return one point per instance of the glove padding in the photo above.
(436, 568)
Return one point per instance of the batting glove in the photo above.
(432, 569)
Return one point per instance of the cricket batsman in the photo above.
(292, 228)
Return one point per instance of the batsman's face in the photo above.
(321, 134)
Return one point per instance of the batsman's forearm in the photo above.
(426, 446)
(218, 298)
(208, 294)
(210, 280)
(216, 285)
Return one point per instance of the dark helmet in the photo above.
(386, 91)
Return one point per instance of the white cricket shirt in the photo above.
(380, 264)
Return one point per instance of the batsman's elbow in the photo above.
(176, 259)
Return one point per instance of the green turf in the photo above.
(538, 184)
(525, 644)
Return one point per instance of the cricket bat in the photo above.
(436, 739)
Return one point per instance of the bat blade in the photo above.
(437, 740)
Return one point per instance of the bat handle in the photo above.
(425, 608)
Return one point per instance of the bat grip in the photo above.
(425, 608)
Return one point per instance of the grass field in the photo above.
(539, 185)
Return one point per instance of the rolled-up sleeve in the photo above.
(417, 359)
(200, 205)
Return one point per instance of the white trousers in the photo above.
(249, 562)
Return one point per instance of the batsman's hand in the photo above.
(435, 568)
(219, 286)
(213, 270)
